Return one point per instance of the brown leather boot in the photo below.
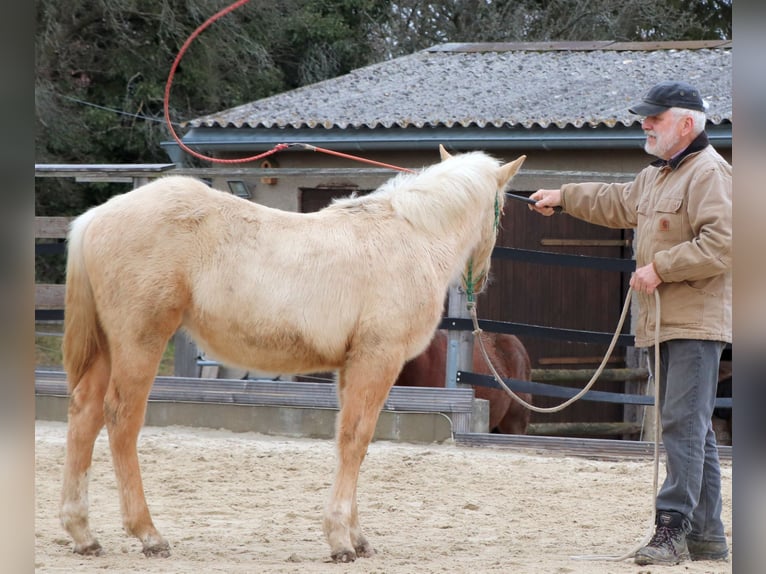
(668, 545)
(707, 550)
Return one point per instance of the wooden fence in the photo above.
(49, 298)
(49, 301)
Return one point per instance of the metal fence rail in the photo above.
(456, 403)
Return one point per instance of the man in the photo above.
(680, 206)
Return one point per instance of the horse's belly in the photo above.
(276, 352)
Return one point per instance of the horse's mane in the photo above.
(432, 199)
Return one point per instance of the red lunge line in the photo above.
(172, 73)
(354, 157)
(276, 148)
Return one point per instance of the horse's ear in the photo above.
(443, 153)
(509, 170)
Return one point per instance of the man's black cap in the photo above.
(667, 95)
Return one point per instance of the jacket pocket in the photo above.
(668, 204)
(683, 306)
(669, 225)
(709, 286)
(662, 205)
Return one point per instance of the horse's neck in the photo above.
(467, 248)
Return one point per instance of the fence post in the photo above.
(459, 343)
(460, 358)
(185, 355)
(140, 180)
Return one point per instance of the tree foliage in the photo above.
(413, 25)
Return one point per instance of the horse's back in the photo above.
(161, 207)
(141, 248)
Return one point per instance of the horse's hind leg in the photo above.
(86, 419)
(362, 389)
(133, 369)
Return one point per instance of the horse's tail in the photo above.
(83, 336)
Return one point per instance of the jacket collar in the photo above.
(698, 144)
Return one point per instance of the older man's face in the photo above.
(663, 134)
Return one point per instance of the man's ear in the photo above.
(688, 124)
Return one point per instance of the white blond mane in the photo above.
(437, 197)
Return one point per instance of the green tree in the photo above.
(414, 25)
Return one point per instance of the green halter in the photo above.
(469, 283)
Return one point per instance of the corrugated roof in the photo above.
(582, 84)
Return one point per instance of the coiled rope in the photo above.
(477, 331)
(169, 83)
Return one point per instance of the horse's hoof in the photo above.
(157, 551)
(92, 549)
(344, 556)
(365, 550)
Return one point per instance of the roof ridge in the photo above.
(579, 46)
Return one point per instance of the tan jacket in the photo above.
(682, 216)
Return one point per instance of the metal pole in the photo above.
(459, 343)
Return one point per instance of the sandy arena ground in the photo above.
(242, 502)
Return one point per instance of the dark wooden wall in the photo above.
(565, 297)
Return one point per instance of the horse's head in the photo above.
(478, 264)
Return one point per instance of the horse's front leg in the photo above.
(362, 390)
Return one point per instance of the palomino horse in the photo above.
(356, 288)
(508, 356)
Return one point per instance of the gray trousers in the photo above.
(692, 486)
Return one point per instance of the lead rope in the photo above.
(656, 375)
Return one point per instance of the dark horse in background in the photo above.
(510, 360)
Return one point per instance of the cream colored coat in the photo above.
(683, 225)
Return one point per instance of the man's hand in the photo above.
(546, 199)
(645, 279)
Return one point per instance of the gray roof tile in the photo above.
(547, 85)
